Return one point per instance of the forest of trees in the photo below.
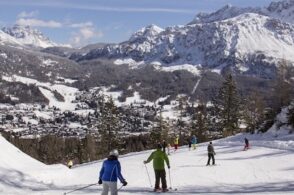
(225, 115)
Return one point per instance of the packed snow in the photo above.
(266, 168)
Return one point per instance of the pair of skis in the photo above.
(170, 190)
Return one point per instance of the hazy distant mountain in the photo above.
(25, 35)
(282, 10)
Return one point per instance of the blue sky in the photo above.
(80, 22)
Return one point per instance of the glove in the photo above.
(124, 183)
(145, 161)
(168, 167)
(100, 182)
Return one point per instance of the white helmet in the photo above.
(113, 153)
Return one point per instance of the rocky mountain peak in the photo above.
(282, 10)
(28, 36)
(228, 11)
(147, 32)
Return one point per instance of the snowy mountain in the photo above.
(263, 169)
(146, 33)
(281, 10)
(228, 11)
(7, 39)
(25, 35)
(249, 43)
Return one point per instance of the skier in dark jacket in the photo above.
(211, 154)
(109, 173)
(158, 158)
(246, 147)
(189, 144)
(164, 145)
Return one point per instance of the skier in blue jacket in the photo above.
(109, 173)
(194, 141)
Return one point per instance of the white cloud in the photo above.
(81, 25)
(38, 23)
(85, 35)
(25, 14)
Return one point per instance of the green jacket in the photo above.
(158, 158)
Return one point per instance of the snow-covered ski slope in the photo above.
(266, 168)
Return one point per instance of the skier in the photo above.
(109, 173)
(194, 141)
(158, 158)
(189, 144)
(246, 147)
(176, 143)
(168, 149)
(70, 164)
(211, 154)
(164, 145)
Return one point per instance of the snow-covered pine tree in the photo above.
(160, 131)
(108, 125)
(253, 111)
(199, 123)
(228, 106)
(282, 87)
(181, 125)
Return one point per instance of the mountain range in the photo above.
(245, 40)
(248, 42)
(24, 36)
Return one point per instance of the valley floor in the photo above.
(260, 170)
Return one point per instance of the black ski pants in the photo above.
(160, 175)
(210, 156)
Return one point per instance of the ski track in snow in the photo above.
(196, 85)
(260, 170)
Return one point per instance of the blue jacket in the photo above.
(194, 140)
(111, 170)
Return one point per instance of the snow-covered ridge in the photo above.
(25, 35)
(5, 38)
(281, 10)
(243, 43)
(247, 41)
(147, 32)
(226, 12)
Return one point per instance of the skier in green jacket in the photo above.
(158, 158)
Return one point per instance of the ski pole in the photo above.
(170, 183)
(120, 188)
(80, 188)
(148, 175)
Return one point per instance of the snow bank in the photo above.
(259, 170)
